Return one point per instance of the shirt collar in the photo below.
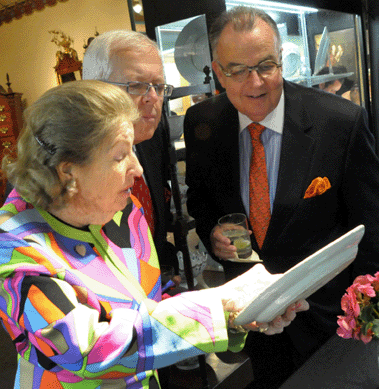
(274, 120)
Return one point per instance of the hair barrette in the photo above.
(51, 149)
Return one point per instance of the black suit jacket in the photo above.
(153, 155)
(324, 136)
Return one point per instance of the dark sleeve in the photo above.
(361, 195)
(197, 176)
(167, 252)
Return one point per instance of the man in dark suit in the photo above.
(132, 61)
(321, 169)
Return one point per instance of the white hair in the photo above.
(97, 63)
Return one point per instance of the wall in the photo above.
(27, 53)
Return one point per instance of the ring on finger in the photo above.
(263, 329)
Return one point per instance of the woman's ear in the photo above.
(65, 172)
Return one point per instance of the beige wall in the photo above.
(27, 53)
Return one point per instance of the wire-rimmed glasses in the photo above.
(143, 88)
(240, 73)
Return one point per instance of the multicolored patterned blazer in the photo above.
(84, 312)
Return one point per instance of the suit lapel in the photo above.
(146, 156)
(295, 161)
(227, 148)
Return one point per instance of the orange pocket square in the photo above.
(317, 187)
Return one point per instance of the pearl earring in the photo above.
(72, 188)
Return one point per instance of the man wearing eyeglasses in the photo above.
(298, 162)
(132, 61)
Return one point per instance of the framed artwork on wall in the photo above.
(68, 67)
(137, 20)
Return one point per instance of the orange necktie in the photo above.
(259, 195)
(142, 192)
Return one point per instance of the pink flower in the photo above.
(366, 279)
(366, 338)
(375, 283)
(346, 327)
(364, 285)
(349, 303)
(360, 305)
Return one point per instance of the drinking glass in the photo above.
(235, 227)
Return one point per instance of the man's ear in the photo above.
(65, 171)
(219, 73)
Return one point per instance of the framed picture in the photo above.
(343, 59)
(68, 68)
(343, 50)
(137, 20)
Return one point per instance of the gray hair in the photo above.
(242, 18)
(97, 61)
(68, 123)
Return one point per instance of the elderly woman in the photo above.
(83, 304)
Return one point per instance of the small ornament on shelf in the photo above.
(9, 85)
(90, 39)
(64, 43)
(67, 58)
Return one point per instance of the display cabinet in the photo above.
(318, 47)
(10, 127)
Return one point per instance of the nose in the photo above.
(138, 169)
(151, 94)
(255, 77)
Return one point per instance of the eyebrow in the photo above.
(117, 141)
(148, 78)
(268, 58)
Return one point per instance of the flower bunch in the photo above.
(361, 306)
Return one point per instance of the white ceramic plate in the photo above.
(304, 279)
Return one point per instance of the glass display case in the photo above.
(321, 48)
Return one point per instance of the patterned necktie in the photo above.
(142, 192)
(259, 195)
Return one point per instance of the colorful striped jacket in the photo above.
(84, 312)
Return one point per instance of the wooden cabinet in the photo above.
(10, 127)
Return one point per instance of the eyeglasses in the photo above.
(143, 88)
(240, 73)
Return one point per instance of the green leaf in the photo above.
(375, 327)
(365, 327)
(367, 314)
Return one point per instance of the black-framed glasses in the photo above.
(240, 73)
(142, 88)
